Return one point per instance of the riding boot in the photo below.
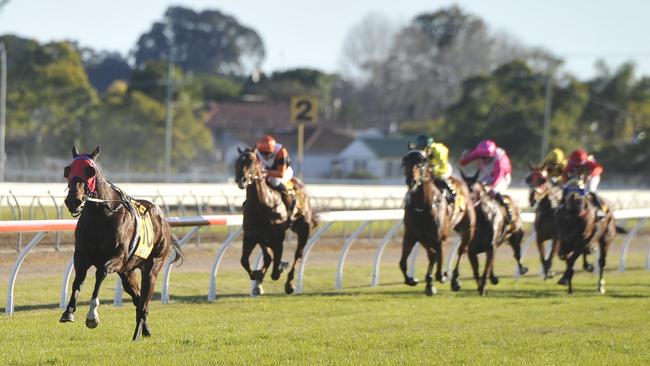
(601, 207)
(288, 200)
(505, 204)
(444, 185)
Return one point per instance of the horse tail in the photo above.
(177, 251)
(313, 222)
(621, 230)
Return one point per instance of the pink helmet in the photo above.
(486, 149)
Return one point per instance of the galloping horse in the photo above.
(428, 218)
(265, 218)
(491, 231)
(578, 227)
(545, 197)
(114, 234)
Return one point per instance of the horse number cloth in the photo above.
(144, 244)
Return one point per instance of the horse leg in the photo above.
(247, 248)
(302, 229)
(92, 318)
(430, 288)
(604, 244)
(407, 246)
(473, 260)
(277, 248)
(440, 277)
(148, 283)
(515, 242)
(585, 264)
(489, 262)
(548, 262)
(568, 273)
(464, 243)
(130, 286)
(80, 270)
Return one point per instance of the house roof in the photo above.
(319, 139)
(387, 147)
(251, 116)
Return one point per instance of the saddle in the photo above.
(297, 189)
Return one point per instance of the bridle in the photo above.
(249, 175)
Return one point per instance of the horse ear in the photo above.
(66, 171)
(530, 165)
(239, 150)
(75, 152)
(462, 174)
(475, 177)
(93, 155)
(89, 171)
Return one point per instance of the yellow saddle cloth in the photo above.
(144, 241)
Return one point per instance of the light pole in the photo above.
(169, 114)
(548, 102)
(3, 109)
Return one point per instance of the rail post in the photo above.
(308, 247)
(212, 290)
(9, 308)
(344, 252)
(164, 296)
(626, 244)
(380, 252)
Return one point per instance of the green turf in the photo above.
(527, 321)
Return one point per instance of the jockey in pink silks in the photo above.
(495, 170)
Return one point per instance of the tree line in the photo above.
(445, 73)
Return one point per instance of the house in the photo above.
(372, 157)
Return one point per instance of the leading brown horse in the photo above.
(491, 231)
(109, 238)
(265, 218)
(545, 196)
(578, 227)
(428, 218)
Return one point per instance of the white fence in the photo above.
(327, 219)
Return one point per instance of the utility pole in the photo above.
(548, 101)
(169, 114)
(3, 109)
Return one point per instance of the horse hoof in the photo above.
(563, 281)
(442, 278)
(523, 270)
(66, 317)
(494, 280)
(283, 266)
(430, 291)
(92, 323)
(411, 281)
(548, 275)
(588, 267)
(288, 289)
(275, 276)
(257, 291)
(455, 286)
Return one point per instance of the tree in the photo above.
(208, 42)
(48, 96)
(103, 68)
(366, 47)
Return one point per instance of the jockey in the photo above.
(581, 163)
(438, 158)
(554, 164)
(275, 161)
(495, 170)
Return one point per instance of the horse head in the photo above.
(575, 195)
(475, 187)
(82, 180)
(537, 183)
(414, 164)
(247, 168)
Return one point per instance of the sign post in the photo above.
(303, 110)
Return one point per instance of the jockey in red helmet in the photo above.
(585, 165)
(495, 170)
(275, 160)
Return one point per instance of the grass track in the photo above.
(520, 322)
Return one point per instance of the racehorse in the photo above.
(545, 197)
(428, 218)
(114, 233)
(578, 227)
(265, 218)
(491, 231)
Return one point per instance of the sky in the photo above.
(311, 33)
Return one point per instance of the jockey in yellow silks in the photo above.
(438, 158)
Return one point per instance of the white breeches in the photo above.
(275, 181)
(503, 184)
(592, 183)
